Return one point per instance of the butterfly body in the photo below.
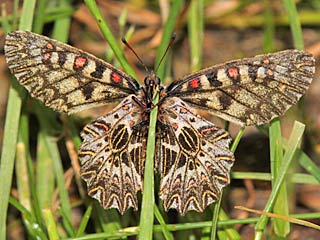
(192, 154)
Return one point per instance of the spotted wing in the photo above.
(251, 90)
(112, 156)
(64, 78)
(195, 159)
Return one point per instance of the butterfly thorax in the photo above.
(151, 85)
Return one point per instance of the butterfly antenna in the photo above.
(173, 38)
(134, 52)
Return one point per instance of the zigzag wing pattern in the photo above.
(112, 156)
(196, 159)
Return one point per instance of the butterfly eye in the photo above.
(147, 81)
(157, 81)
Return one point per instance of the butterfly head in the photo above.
(152, 81)
(151, 85)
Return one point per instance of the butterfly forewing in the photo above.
(64, 78)
(195, 158)
(112, 156)
(251, 90)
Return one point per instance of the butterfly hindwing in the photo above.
(195, 158)
(112, 156)
(251, 90)
(64, 78)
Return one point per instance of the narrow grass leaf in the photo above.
(67, 223)
(282, 228)
(215, 215)
(23, 184)
(195, 29)
(39, 16)
(166, 233)
(84, 221)
(62, 24)
(229, 230)
(51, 224)
(300, 178)
(309, 165)
(269, 28)
(293, 143)
(45, 179)
(294, 22)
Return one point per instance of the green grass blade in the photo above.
(62, 25)
(195, 29)
(67, 222)
(294, 23)
(147, 206)
(166, 233)
(45, 178)
(269, 28)
(22, 178)
(237, 139)
(51, 225)
(309, 165)
(39, 16)
(215, 215)
(230, 232)
(27, 15)
(84, 222)
(282, 228)
(300, 178)
(293, 143)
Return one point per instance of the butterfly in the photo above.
(192, 154)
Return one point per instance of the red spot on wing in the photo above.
(80, 62)
(102, 126)
(194, 83)
(132, 123)
(47, 56)
(175, 126)
(183, 110)
(269, 72)
(125, 107)
(266, 61)
(49, 46)
(233, 72)
(116, 78)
